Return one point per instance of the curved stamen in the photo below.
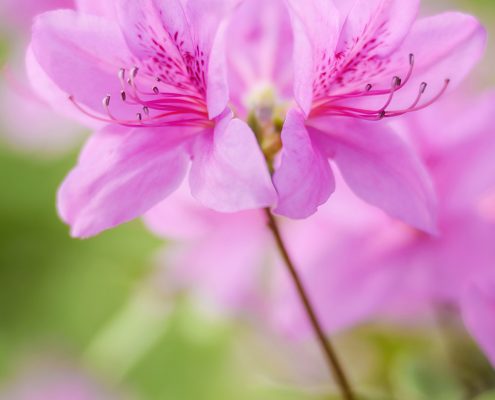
(369, 115)
(162, 106)
(330, 106)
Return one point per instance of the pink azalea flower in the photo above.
(416, 270)
(47, 133)
(153, 75)
(356, 63)
(234, 276)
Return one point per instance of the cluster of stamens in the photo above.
(163, 105)
(331, 105)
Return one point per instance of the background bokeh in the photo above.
(92, 306)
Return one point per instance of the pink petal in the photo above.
(304, 179)
(316, 26)
(228, 275)
(181, 30)
(47, 133)
(82, 54)
(380, 168)
(20, 13)
(97, 7)
(208, 22)
(121, 174)
(478, 310)
(345, 290)
(387, 21)
(260, 47)
(229, 172)
(181, 216)
(446, 46)
(49, 93)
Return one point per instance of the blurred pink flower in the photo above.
(358, 62)
(47, 133)
(155, 79)
(49, 380)
(19, 14)
(400, 272)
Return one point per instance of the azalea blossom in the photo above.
(200, 259)
(151, 74)
(357, 63)
(416, 270)
(48, 132)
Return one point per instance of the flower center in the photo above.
(266, 115)
(338, 105)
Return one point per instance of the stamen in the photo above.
(106, 101)
(331, 105)
(172, 105)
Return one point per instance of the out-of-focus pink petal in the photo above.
(316, 28)
(229, 172)
(467, 172)
(181, 216)
(345, 290)
(224, 264)
(260, 46)
(478, 311)
(97, 7)
(121, 174)
(47, 133)
(304, 179)
(380, 168)
(82, 55)
(50, 379)
(20, 13)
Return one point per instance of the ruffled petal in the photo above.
(304, 179)
(229, 172)
(121, 174)
(380, 168)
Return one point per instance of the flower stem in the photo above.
(327, 347)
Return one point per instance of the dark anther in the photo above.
(106, 101)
